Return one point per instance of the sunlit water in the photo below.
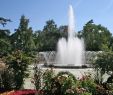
(70, 51)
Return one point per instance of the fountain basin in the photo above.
(77, 71)
(67, 66)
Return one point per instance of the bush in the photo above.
(47, 76)
(104, 62)
(37, 77)
(65, 83)
(18, 62)
(7, 80)
(88, 83)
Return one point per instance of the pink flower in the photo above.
(23, 92)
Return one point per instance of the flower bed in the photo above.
(23, 92)
(65, 83)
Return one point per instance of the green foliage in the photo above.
(37, 77)
(29, 42)
(47, 79)
(3, 21)
(59, 84)
(96, 37)
(22, 39)
(18, 63)
(7, 79)
(5, 44)
(103, 64)
(104, 61)
(50, 26)
(64, 31)
(86, 93)
(47, 39)
(67, 82)
(88, 83)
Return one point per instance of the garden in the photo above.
(19, 50)
(64, 83)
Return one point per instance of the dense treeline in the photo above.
(18, 50)
(96, 37)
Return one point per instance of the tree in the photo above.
(48, 38)
(50, 26)
(103, 64)
(96, 37)
(18, 63)
(104, 61)
(29, 44)
(37, 38)
(49, 41)
(3, 21)
(22, 39)
(5, 45)
(63, 31)
(111, 43)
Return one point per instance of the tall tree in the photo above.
(50, 26)
(63, 30)
(37, 38)
(48, 37)
(96, 37)
(29, 42)
(5, 45)
(22, 39)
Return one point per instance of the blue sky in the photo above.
(39, 11)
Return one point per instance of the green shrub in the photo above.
(37, 77)
(47, 76)
(88, 83)
(67, 82)
(104, 62)
(18, 62)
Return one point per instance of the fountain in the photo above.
(70, 55)
(70, 52)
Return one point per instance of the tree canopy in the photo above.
(19, 47)
(5, 45)
(22, 39)
(96, 37)
(48, 37)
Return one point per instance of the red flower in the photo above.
(24, 92)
